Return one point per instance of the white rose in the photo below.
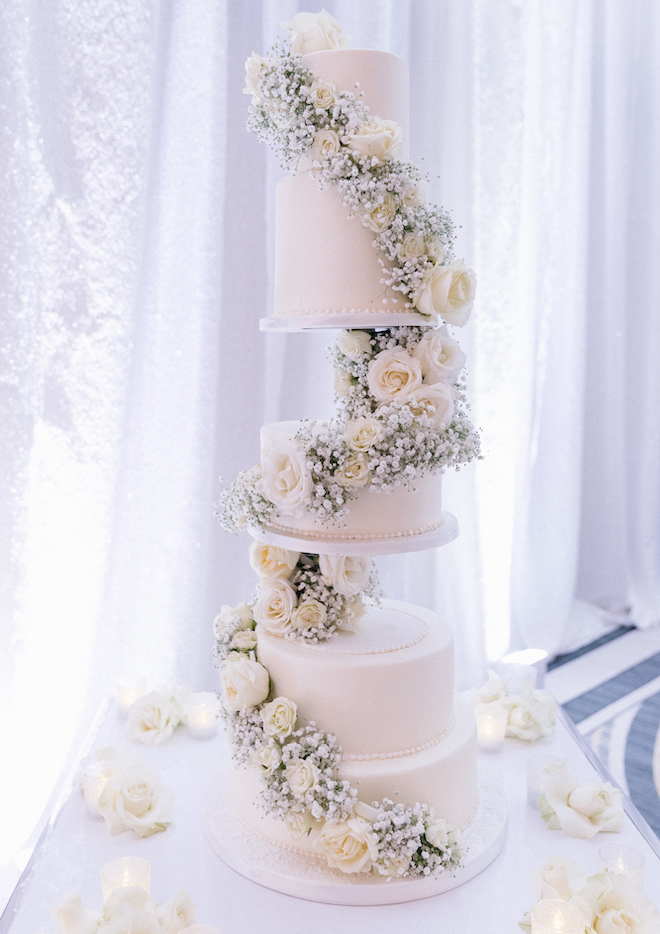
(136, 800)
(354, 472)
(578, 810)
(323, 93)
(376, 138)
(349, 845)
(415, 195)
(382, 215)
(347, 574)
(354, 344)
(245, 683)
(447, 291)
(254, 69)
(314, 32)
(437, 832)
(612, 904)
(279, 717)
(277, 601)
(269, 561)
(228, 616)
(267, 758)
(326, 145)
(531, 715)
(302, 775)
(177, 914)
(392, 374)
(362, 433)
(153, 718)
(493, 690)
(412, 246)
(285, 478)
(111, 762)
(72, 918)
(434, 250)
(342, 382)
(300, 823)
(440, 357)
(394, 866)
(245, 640)
(353, 613)
(436, 402)
(558, 877)
(308, 614)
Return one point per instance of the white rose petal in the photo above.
(447, 291)
(323, 93)
(349, 845)
(228, 616)
(376, 138)
(347, 574)
(412, 246)
(302, 775)
(531, 715)
(354, 344)
(354, 472)
(362, 433)
(558, 877)
(315, 32)
(279, 717)
(440, 357)
(493, 690)
(326, 145)
(285, 478)
(436, 402)
(245, 640)
(136, 800)
(579, 810)
(254, 69)
(393, 374)
(434, 250)
(276, 603)
(342, 383)
(382, 215)
(269, 561)
(72, 918)
(177, 914)
(300, 823)
(245, 683)
(354, 611)
(612, 904)
(153, 718)
(308, 614)
(267, 758)
(415, 195)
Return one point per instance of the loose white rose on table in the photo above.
(440, 357)
(323, 93)
(350, 845)
(136, 800)
(275, 606)
(315, 32)
(393, 374)
(348, 575)
(579, 810)
(269, 561)
(436, 402)
(354, 472)
(266, 758)
(354, 344)
(245, 683)
(285, 478)
(254, 69)
(308, 614)
(531, 715)
(381, 215)
(362, 433)
(73, 918)
(152, 719)
(377, 139)
(279, 717)
(179, 913)
(129, 909)
(448, 291)
(326, 144)
(302, 776)
(111, 762)
(558, 877)
(493, 689)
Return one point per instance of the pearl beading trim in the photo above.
(326, 535)
(405, 752)
(328, 649)
(309, 312)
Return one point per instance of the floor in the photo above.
(611, 691)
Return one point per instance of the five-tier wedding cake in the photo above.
(356, 762)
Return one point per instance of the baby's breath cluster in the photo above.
(413, 842)
(241, 504)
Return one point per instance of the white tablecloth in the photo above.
(75, 847)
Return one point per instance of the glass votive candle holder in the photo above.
(202, 712)
(625, 860)
(130, 871)
(129, 691)
(535, 777)
(491, 726)
(554, 916)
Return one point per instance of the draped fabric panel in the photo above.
(136, 238)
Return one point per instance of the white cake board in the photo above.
(396, 545)
(382, 319)
(276, 868)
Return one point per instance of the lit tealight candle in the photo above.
(491, 726)
(202, 712)
(625, 860)
(535, 778)
(130, 871)
(554, 916)
(128, 692)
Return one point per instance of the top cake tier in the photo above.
(327, 269)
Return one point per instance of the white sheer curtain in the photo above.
(136, 234)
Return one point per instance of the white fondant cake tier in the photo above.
(373, 516)
(385, 691)
(443, 776)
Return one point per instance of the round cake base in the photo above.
(394, 545)
(345, 319)
(302, 877)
